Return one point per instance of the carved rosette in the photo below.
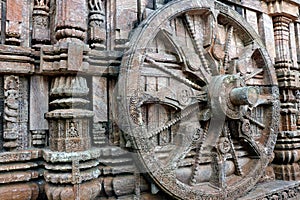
(199, 100)
(97, 23)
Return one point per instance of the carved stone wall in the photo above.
(149, 99)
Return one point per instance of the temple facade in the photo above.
(149, 99)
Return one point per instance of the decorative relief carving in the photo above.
(199, 104)
(285, 148)
(11, 112)
(221, 7)
(100, 134)
(41, 3)
(72, 130)
(228, 102)
(38, 138)
(23, 112)
(69, 121)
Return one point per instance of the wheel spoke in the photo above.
(185, 113)
(218, 175)
(173, 74)
(233, 152)
(198, 156)
(254, 73)
(258, 149)
(191, 59)
(227, 48)
(255, 122)
(184, 145)
(196, 41)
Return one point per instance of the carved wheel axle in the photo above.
(199, 100)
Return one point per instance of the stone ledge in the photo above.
(274, 190)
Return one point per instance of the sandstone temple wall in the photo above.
(63, 114)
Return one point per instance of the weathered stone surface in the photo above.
(193, 151)
(149, 99)
(20, 191)
(14, 21)
(100, 99)
(39, 103)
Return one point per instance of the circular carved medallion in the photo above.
(199, 100)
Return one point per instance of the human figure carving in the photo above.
(73, 132)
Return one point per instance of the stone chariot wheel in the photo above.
(199, 100)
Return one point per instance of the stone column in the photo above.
(100, 101)
(71, 164)
(69, 121)
(71, 20)
(41, 23)
(286, 165)
(39, 84)
(97, 24)
(286, 160)
(13, 22)
(70, 160)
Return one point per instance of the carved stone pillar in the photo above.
(70, 18)
(69, 121)
(40, 30)
(70, 142)
(13, 22)
(97, 24)
(100, 102)
(285, 163)
(71, 164)
(39, 104)
(282, 39)
(39, 84)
